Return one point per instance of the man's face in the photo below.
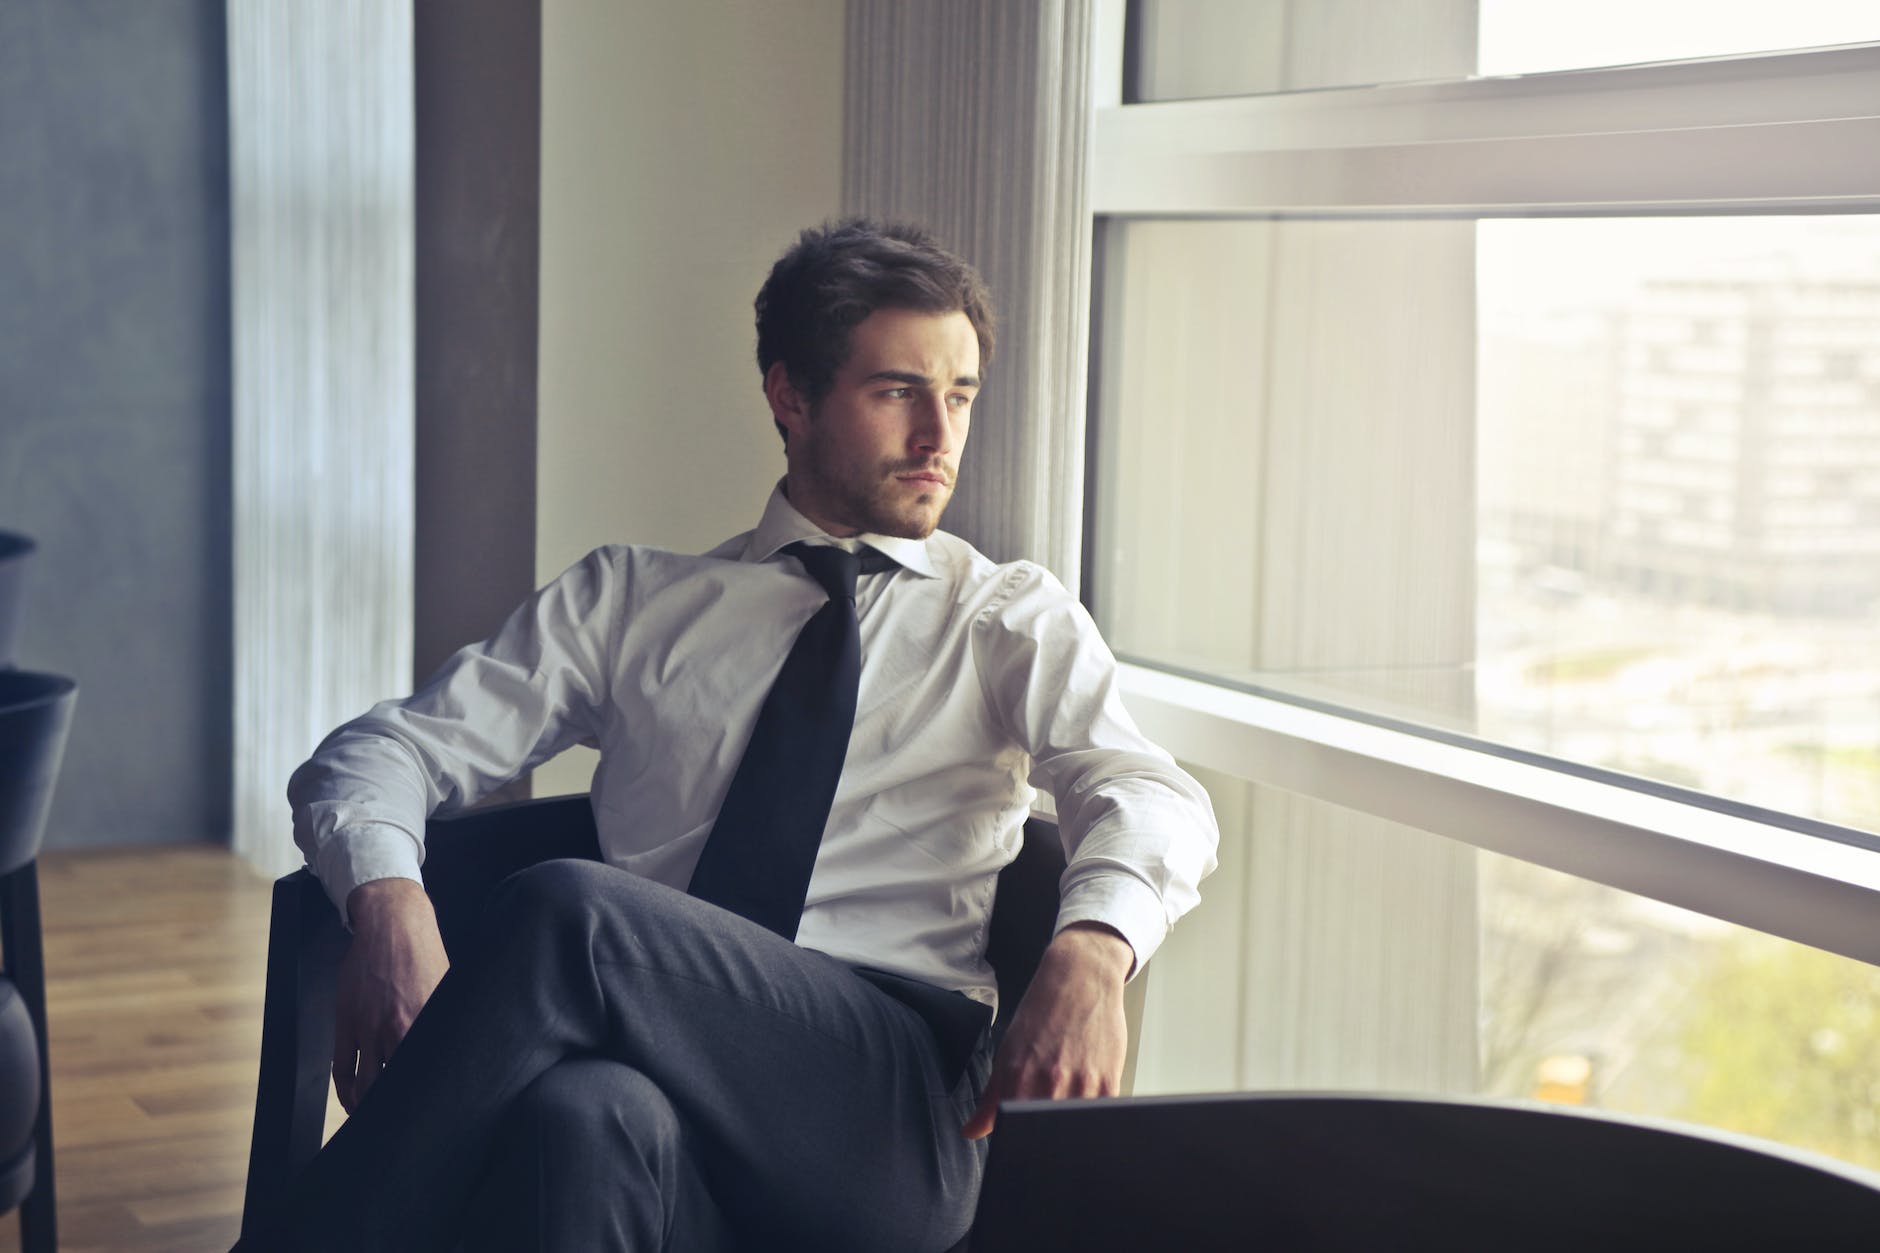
(880, 451)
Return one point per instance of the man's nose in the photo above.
(932, 430)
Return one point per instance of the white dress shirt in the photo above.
(978, 683)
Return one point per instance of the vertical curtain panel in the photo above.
(971, 117)
(321, 182)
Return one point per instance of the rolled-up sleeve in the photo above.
(492, 712)
(1139, 832)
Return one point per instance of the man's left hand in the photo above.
(1068, 1037)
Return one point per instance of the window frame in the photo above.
(1788, 132)
(1792, 132)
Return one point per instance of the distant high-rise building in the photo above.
(1745, 450)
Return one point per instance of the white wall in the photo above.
(683, 146)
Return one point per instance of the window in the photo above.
(1498, 457)
(1605, 501)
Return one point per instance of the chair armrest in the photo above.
(465, 856)
(305, 943)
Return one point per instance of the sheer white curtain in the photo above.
(1288, 414)
(971, 116)
(321, 179)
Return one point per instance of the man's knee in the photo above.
(601, 1106)
(588, 1157)
(554, 890)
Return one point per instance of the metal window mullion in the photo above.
(1800, 88)
(1789, 166)
(1788, 132)
(1811, 890)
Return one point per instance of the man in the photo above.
(761, 1024)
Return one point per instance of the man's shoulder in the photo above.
(642, 568)
(979, 578)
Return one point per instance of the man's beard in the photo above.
(882, 505)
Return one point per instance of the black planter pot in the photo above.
(35, 714)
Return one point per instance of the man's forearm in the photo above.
(381, 903)
(389, 971)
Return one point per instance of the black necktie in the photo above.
(758, 858)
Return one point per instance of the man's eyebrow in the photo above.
(914, 379)
(899, 376)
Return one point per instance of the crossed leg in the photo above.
(593, 1156)
(764, 1090)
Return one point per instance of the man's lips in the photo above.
(924, 476)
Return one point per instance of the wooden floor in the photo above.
(155, 965)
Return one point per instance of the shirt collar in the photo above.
(782, 525)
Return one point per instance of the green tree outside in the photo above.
(1783, 1041)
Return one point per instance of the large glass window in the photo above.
(1603, 490)
(1539, 416)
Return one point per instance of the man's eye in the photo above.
(959, 402)
(898, 393)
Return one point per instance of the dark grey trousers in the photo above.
(619, 1066)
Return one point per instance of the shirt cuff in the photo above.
(1122, 902)
(364, 852)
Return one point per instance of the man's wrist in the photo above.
(378, 901)
(1099, 944)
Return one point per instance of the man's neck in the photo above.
(827, 527)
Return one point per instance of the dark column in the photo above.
(479, 112)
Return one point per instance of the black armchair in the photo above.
(1358, 1171)
(465, 856)
(35, 714)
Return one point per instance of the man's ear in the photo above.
(787, 405)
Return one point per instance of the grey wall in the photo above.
(114, 398)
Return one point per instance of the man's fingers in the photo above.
(345, 1066)
(998, 1087)
(370, 1063)
(980, 1124)
(1036, 1083)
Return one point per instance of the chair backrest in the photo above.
(465, 856)
(1220, 1174)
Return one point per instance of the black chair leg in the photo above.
(26, 966)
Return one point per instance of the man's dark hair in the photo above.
(837, 274)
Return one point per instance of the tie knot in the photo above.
(834, 568)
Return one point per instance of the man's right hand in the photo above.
(390, 970)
